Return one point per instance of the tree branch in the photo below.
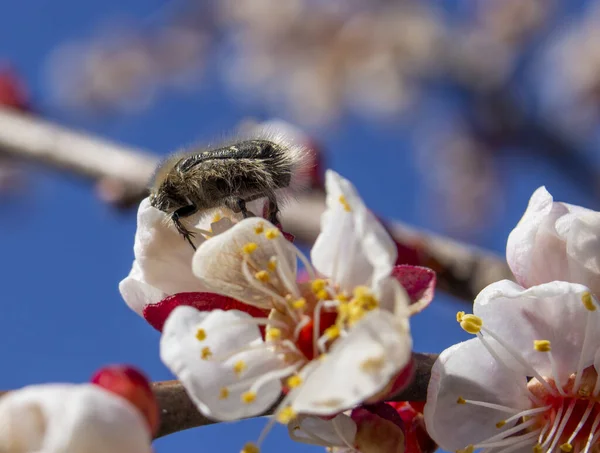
(179, 413)
(121, 174)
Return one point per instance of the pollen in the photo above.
(206, 353)
(332, 332)
(272, 233)
(294, 381)
(344, 203)
(537, 448)
(262, 276)
(318, 285)
(272, 265)
(259, 228)
(471, 324)
(273, 333)
(541, 345)
(469, 449)
(461, 400)
(459, 316)
(250, 448)
(322, 295)
(249, 248)
(372, 365)
(500, 424)
(201, 335)
(342, 297)
(588, 302)
(566, 447)
(224, 393)
(239, 367)
(248, 397)
(217, 217)
(299, 304)
(286, 415)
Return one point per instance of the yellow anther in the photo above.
(250, 448)
(248, 397)
(201, 335)
(541, 345)
(272, 233)
(469, 449)
(262, 276)
(344, 203)
(537, 448)
(239, 367)
(361, 291)
(273, 333)
(259, 228)
(461, 400)
(318, 285)
(342, 297)
(500, 424)
(322, 295)
(372, 365)
(299, 304)
(332, 332)
(471, 324)
(566, 447)
(459, 316)
(294, 381)
(249, 248)
(588, 302)
(217, 217)
(286, 415)
(224, 393)
(272, 266)
(206, 353)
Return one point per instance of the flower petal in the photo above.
(230, 337)
(157, 314)
(70, 419)
(353, 248)
(419, 283)
(583, 247)
(552, 311)
(340, 431)
(218, 263)
(468, 370)
(357, 367)
(136, 292)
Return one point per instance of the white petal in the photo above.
(353, 248)
(357, 366)
(163, 256)
(227, 333)
(70, 419)
(583, 247)
(467, 370)
(337, 432)
(552, 311)
(218, 263)
(137, 293)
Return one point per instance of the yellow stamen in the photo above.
(471, 324)
(248, 397)
(272, 266)
(299, 304)
(342, 297)
(344, 203)
(541, 345)
(224, 393)
(272, 233)
(500, 424)
(469, 449)
(249, 248)
(294, 381)
(201, 335)
(537, 448)
(332, 332)
(273, 333)
(459, 316)
(239, 367)
(286, 415)
(588, 302)
(318, 285)
(566, 447)
(217, 217)
(461, 400)
(262, 276)
(322, 295)
(250, 448)
(206, 353)
(259, 228)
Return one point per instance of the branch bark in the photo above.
(179, 413)
(121, 174)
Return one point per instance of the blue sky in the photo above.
(64, 252)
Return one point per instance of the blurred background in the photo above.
(445, 115)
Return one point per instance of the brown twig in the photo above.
(179, 413)
(122, 174)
